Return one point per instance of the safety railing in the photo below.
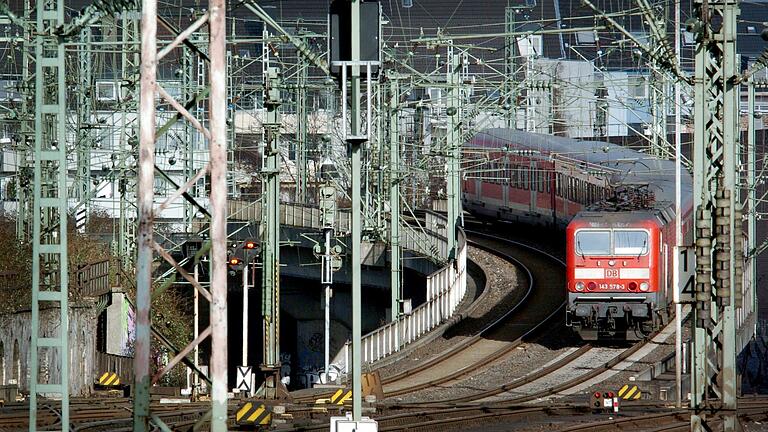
(93, 278)
(444, 291)
(290, 214)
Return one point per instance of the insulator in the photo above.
(703, 292)
(703, 242)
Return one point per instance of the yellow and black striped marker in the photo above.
(341, 396)
(254, 413)
(630, 393)
(109, 379)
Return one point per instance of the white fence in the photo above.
(445, 290)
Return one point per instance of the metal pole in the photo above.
(270, 282)
(715, 159)
(301, 132)
(510, 66)
(453, 149)
(752, 191)
(27, 125)
(327, 215)
(196, 325)
(394, 199)
(218, 161)
(327, 348)
(245, 314)
(83, 176)
(50, 272)
(357, 406)
(678, 225)
(146, 185)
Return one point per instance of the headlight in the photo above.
(643, 286)
(579, 286)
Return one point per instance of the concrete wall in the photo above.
(121, 328)
(16, 334)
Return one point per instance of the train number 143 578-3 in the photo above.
(611, 286)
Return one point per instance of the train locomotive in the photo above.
(617, 205)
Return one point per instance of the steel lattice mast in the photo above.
(50, 273)
(216, 133)
(717, 223)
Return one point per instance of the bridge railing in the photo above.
(299, 215)
(445, 290)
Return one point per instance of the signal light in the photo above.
(591, 286)
(632, 286)
(234, 261)
(597, 394)
(249, 244)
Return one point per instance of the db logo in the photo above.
(611, 273)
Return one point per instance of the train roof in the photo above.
(631, 167)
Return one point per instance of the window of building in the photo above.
(637, 87)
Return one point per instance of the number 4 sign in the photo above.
(685, 260)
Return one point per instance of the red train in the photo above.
(619, 265)
(618, 205)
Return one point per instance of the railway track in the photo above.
(634, 416)
(539, 307)
(93, 414)
(575, 369)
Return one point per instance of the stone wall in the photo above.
(15, 337)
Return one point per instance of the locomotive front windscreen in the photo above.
(630, 242)
(611, 242)
(593, 242)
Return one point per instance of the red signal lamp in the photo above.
(250, 244)
(234, 261)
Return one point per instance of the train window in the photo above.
(534, 177)
(542, 180)
(548, 178)
(524, 180)
(579, 191)
(559, 184)
(630, 242)
(593, 242)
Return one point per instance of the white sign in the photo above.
(244, 378)
(685, 260)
